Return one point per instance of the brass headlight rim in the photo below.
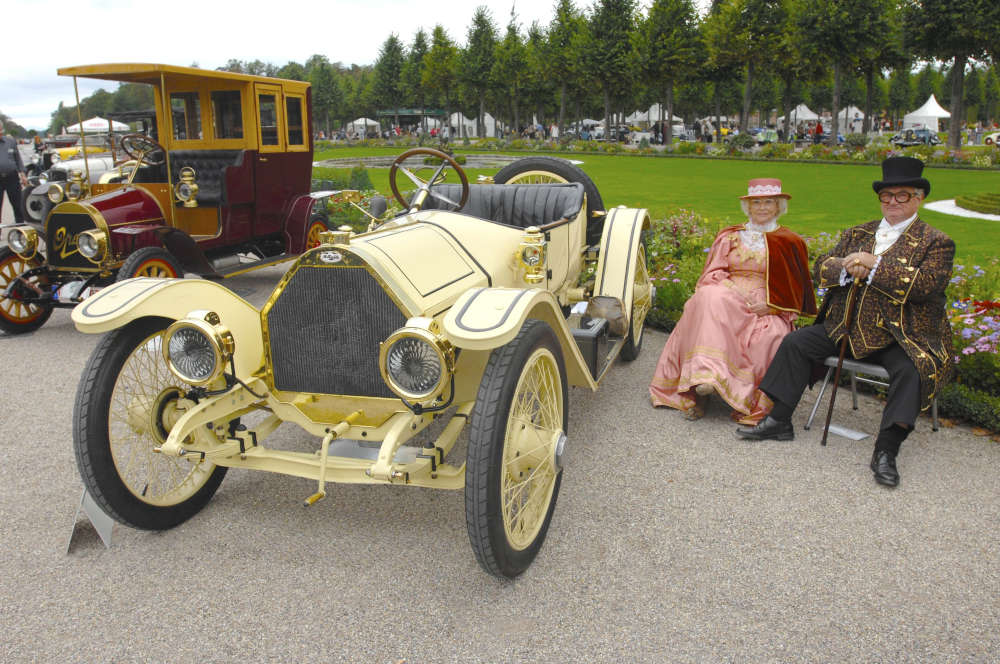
(101, 239)
(30, 241)
(53, 187)
(220, 340)
(441, 347)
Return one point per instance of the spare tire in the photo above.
(539, 170)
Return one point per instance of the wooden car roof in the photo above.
(143, 72)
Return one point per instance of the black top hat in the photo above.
(902, 172)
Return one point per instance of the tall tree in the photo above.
(563, 57)
(477, 60)
(510, 69)
(292, 71)
(413, 69)
(900, 92)
(539, 88)
(885, 52)
(327, 95)
(668, 47)
(957, 31)
(928, 83)
(387, 81)
(837, 32)
(609, 56)
(744, 33)
(440, 72)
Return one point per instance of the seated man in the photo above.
(902, 267)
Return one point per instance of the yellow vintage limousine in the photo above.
(472, 311)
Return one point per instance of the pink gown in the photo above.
(718, 340)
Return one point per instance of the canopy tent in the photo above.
(363, 125)
(459, 120)
(851, 120)
(926, 116)
(650, 116)
(96, 125)
(800, 113)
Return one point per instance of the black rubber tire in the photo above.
(140, 262)
(570, 173)
(11, 320)
(92, 441)
(41, 205)
(487, 434)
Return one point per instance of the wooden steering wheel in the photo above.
(143, 149)
(425, 187)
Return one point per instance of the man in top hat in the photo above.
(902, 267)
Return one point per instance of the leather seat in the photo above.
(520, 205)
(210, 171)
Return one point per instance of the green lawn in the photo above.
(825, 197)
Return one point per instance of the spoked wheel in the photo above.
(642, 302)
(546, 170)
(516, 438)
(18, 317)
(425, 188)
(125, 406)
(150, 262)
(316, 226)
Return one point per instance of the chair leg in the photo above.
(854, 390)
(934, 426)
(819, 398)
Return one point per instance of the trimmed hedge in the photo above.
(972, 405)
(986, 203)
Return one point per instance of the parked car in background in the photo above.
(911, 137)
(992, 139)
(457, 314)
(219, 186)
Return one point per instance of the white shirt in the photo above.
(885, 236)
(752, 235)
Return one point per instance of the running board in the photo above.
(243, 268)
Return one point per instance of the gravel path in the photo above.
(672, 541)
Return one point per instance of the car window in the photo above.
(268, 105)
(185, 108)
(227, 114)
(293, 114)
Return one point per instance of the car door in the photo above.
(269, 182)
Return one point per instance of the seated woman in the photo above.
(755, 284)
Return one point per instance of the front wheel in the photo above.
(516, 437)
(17, 317)
(126, 404)
(150, 262)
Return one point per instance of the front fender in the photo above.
(128, 300)
(487, 318)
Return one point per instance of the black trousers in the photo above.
(11, 184)
(787, 377)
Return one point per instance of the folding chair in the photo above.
(853, 368)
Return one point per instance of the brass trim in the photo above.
(423, 330)
(101, 238)
(219, 337)
(30, 238)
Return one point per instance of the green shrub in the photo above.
(360, 179)
(856, 141)
(743, 142)
(974, 406)
(980, 371)
(985, 203)
(644, 143)
(776, 151)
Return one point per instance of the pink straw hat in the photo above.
(764, 188)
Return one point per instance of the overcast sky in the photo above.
(41, 36)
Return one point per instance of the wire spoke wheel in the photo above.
(15, 316)
(516, 437)
(537, 177)
(126, 405)
(642, 302)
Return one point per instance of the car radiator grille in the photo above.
(324, 332)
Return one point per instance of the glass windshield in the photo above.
(186, 111)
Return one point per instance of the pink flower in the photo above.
(968, 350)
(677, 281)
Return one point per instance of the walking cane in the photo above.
(852, 300)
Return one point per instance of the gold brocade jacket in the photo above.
(905, 302)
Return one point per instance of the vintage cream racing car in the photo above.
(460, 310)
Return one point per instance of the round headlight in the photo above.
(23, 241)
(56, 158)
(416, 363)
(92, 244)
(55, 193)
(197, 350)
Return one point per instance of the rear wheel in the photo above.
(543, 170)
(316, 226)
(126, 404)
(150, 262)
(516, 435)
(18, 317)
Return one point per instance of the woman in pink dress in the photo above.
(755, 284)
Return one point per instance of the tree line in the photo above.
(742, 58)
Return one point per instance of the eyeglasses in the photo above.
(900, 196)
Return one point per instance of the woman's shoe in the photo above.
(704, 389)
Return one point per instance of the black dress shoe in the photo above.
(883, 465)
(768, 429)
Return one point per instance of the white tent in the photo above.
(926, 116)
(800, 113)
(96, 125)
(650, 116)
(851, 120)
(363, 125)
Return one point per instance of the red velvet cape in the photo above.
(789, 283)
